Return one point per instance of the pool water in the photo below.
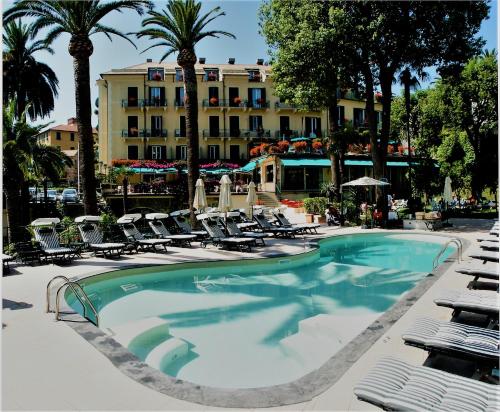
(262, 322)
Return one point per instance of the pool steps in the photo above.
(149, 339)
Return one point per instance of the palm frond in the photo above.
(99, 28)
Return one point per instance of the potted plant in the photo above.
(156, 76)
(214, 101)
(378, 97)
(309, 207)
(317, 145)
(261, 101)
(300, 147)
(320, 204)
(237, 100)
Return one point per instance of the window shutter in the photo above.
(149, 152)
(163, 152)
(318, 130)
(263, 94)
(162, 94)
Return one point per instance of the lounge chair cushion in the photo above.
(432, 334)
(484, 271)
(485, 255)
(396, 385)
(58, 251)
(106, 246)
(489, 245)
(471, 301)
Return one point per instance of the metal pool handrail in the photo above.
(454, 240)
(47, 306)
(74, 286)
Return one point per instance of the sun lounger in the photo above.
(46, 236)
(396, 385)
(6, 259)
(303, 227)
(488, 239)
(229, 223)
(485, 256)
(245, 222)
(162, 232)
(94, 238)
(488, 271)
(493, 246)
(184, 226)
(454, 339)
(217, 236)
(266, 226)
(469, 301)
(131, 232)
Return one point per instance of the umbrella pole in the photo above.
(341, 207)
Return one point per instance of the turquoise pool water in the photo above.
(262, 322)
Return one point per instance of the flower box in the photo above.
(214, 101)
(237, 100)
(156, 76)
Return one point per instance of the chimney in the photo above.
(202, 60)
(260, 62)
(149, 60)
(231, 60)
(72, 120)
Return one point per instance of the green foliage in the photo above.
(70, 233)
(108, 219)
(316, 205)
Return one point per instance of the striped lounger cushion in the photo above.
(432, 334)
(396, 385)
(489, 245)
(472, 301)
(47, 237)
(485, 255)
(490, 271)
(94, 237)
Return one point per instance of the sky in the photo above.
(241, 19)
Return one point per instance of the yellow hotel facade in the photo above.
(142, 115)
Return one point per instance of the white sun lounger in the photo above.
(471, 301)
(396, 385)
(454, 338)
(490, 271)
(493, 246)
(485, 255)
(488, 239)
(161, 231)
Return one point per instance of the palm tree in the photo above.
(80, 19)
(179, 28)
(24, 159)
(25, 78)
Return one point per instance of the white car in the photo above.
(51, 195)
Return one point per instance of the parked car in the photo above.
(69, 195)
(51, 195)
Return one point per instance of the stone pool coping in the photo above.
(300, 390)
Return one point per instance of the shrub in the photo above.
(300, 146)
(315, 205)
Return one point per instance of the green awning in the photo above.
(326, 163)
(250, 166)
(145, 170)
(300, 139)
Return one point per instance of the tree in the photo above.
(179, 28)
(392, 35)
(25, 79)
(25, 159)
(80, 19)
(308, 48)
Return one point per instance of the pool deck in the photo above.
(47, 366)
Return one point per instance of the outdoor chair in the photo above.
(245, 223)
(6, 259)
(303, 227)
(184, 227)
(46, 235)
(469, 301)
(488, 239)
(229, 223)
(485, 256)
(218, 238)
(454, 339)
(93, 237)
(266, 226)
(162, 232)
(396, 385)
(486, 245)
(28, 252)
(133, 235)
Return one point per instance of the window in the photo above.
(213, 96)
(157, 96)
(269, 173)
(211, 75)
(132, 97)
(359, 117)
(133, 152)
(156, 125)
(234, 97)
(312, 126)
(255, 123)
(254, 76)
(179, 96)
(213, 152)
(234, 152)
(156, 73)
(179, 77)
(58, 135)
(72, 137)
(294, 178)
(133, 126)
(182, 131)
(285, 126)
(257, 97)
(72, 148)
(213, 122)
(157, 152)
(181, 152)
(341, 116)
(234, 126)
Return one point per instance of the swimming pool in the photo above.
(244, 324)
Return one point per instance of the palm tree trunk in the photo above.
(84, 124)
(334, 145)
(193, 151)
(13, 199)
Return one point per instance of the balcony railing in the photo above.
(155, 133)
(132, 103)
(254, 77)
(155, 102)
(214, 133)
(264, 133)
(239, 103)
(280, 134)
(211, 102)
(180, 133)
(258, 104)
(179, 103)
(132, 133)
(284, 106)
(312, 135)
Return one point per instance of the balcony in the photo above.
(132, 103)
(179, 104)
(212, 103)
(179, 133)
(234, 103)
(154, 133)
(211, 76)
(313, 135)
(284, 106)
(254, 77)
(207, 133)
(285, 134)
(159, 103)
(254, 134)
(258, 104)
(132, 133)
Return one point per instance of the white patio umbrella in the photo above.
(447, 194)
(251, 197)
(200, 197)
(225, 203)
